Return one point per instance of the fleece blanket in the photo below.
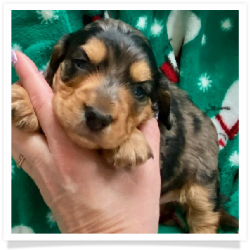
(197, 50)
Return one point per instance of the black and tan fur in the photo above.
(106, 83)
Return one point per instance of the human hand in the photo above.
(84, 194)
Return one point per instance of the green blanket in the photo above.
(198, 50)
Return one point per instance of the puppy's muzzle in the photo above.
(95, 120)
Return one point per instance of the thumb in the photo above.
(151, 132)
(38, 89)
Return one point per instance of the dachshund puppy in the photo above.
(106, 83)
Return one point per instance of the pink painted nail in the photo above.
(13, 58)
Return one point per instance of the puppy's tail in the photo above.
(227, 219)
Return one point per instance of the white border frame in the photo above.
(121, 237)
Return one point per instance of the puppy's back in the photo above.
(189, 150)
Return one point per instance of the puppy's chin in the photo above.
(83, 141)
(92, 140)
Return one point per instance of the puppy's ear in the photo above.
(58, 55)
(164, 102)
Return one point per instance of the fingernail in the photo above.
(13, 58)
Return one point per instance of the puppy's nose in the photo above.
(95, 120)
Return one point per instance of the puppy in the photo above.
(106, 83)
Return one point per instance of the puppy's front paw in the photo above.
(133, 152)
(22, 112)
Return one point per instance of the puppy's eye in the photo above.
(80, 63)
(140, 93)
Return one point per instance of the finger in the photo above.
(151, 132)
(150, 171)
(37, 164)
(16, 156)
(33, 147)
(35, 84)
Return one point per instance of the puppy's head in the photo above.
(105, 81)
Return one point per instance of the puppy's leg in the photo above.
(133, 152)
(23, 115)
(201, 216)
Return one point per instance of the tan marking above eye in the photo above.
(140, 71)
(95, 49)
